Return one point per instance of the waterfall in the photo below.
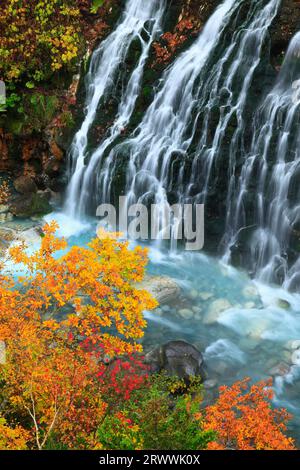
(172, 151)
(269, 179)
(164, 127)
(140, 21)
(193, 135)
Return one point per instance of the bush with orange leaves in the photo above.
(244, 419)
(59, 323)
(12, 438)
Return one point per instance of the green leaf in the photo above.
(96, 4)
(30, 85)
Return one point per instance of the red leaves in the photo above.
(63, 326)
(170, 42)
(244, 419)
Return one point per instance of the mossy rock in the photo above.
(33, 204)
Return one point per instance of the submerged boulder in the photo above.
(217, 307)
(176, 358)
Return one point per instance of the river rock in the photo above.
(6, 217)
(196, 309)
(164, 289)
(29, 205)
(281, 303)
(249, 305)
(25, 185)
(4, 208)
(7, 236)
(205, 295)
(295, 358)
(177, 358)
(186, 313)
(250, 291)
(210, 383)
(249, 344)
(215, 310)
(166, 308)
(193, 294)
(280, 369)
(30, 237)
(293, 344)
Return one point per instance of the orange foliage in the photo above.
(244, 419)
(172, 41)
(60, 323)
(12, 439)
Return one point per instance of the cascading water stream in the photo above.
(268, 178)
(141, 18)
(191, 88)
(164, 127)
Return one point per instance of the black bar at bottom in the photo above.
(138, 459)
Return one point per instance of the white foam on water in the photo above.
(226, 350)
(68, 226)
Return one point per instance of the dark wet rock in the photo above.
(25, 185)
(32, 204)
(176, 358)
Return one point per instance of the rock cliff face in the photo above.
(283, 29)
(35, 136)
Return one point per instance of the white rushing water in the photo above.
(274, 164)
(164, 128)
(140, 19)
(190, 91)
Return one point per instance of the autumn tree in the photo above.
(244, 419)
(73, 311)
(12, 438)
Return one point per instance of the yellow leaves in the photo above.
(12, 438)
(69, 311)
(31, 28)
(51, 324)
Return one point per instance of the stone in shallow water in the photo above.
(250, 291)
(295, 358)
(215, 310)
(177, 358)
(281, 303)
(166, 308)
(6, 217)
(249, 343)
(210, 383)
(205, 295)
(249, 305)
(163, 289)
(293, 344)
(4, 208)
(193, 294)
(196, 309)
(280, 369)
(258, 329)
(186, 313)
